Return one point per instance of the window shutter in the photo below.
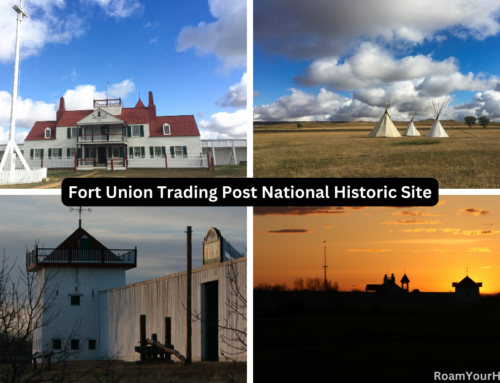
(79, 153)
(68, 152)
(185, 151)
(143, 151)
(60, 152)
(79, 130)
(129, 131)
(142, 130)
(110, 152)
(172, 151)
(163, 151)
(41, 152)
(131, 152)
(32, 153)
(151, 151)
(50, 153)
(121, 151)
(69, 133)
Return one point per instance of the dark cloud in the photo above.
(473, 211)
(288, 231)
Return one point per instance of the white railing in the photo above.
(49, 163)
(115, 137)
(194, 162)
(223, 143)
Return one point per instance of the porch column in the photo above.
(92, 133)
(95, 154)
(106, 156)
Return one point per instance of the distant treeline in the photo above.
(301, 284)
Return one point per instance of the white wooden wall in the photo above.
(120, 310)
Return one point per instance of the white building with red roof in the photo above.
(110, 131)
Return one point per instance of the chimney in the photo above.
(151, 108)
(62, 109)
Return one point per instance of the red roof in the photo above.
(179, 125)
(38, 130)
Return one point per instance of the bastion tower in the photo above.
(68, 280)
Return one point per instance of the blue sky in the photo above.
(341, 60)
(158, 233)
(192, 55)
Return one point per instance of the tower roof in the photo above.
(72, 241)
(405, 279)
(467, 282)
(139, 104)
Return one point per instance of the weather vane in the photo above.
(80, 210)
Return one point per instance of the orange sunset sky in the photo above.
(433, 244)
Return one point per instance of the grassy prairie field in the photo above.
(390, 345)
(57, 176)
(130, 372)
(467, 159)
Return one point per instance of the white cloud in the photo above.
(225, 125)
(28, 111)
(43, 26)
(316, 28)
(83, 95)
(119, 8)
(236, 97)
(226, 37)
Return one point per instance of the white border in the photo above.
(250, 89)
(469, 192)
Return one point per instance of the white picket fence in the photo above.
(194, 162)
(49, 163)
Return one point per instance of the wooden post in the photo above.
(42, 162)
(112, 166)
(188, 296)
(168, 335)
(166, 162)
(143, 334)
(213, 166)
(34, 364)
(76, 162)
(155, 338)
(48, 360)
(126, 159)
(208, 161)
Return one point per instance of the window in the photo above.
(104, 129)
(56, 344)
(47, 132)
(166, 129)
(136, 131)
(74, 132)
(91, 152)
(75, 344)
(137, 152)
(116, 152)
(75, 300)
(37, 153)
(73, 152)
(178, 151)
(158, 151)
(55, 153)
(91, 344)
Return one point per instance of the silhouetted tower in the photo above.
(325, 266)
(405, 281)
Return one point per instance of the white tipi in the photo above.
(385, 127)
(411, 130)
(437, 129)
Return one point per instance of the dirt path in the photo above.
(60, 182)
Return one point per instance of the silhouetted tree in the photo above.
(484, 121)
(299, 125)
(470, 120)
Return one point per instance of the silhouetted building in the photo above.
(467, 292)
(389, 285)
(405, 281)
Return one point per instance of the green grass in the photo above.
(426, 142)
(393, 345)
(57, 176)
